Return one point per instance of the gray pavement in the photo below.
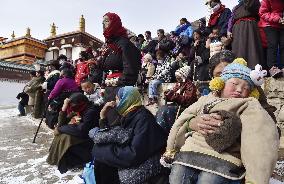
(22, 161)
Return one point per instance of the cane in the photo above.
(40, 122)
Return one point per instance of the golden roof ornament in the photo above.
(28, 33)
(82, 24)
(13, 35)
(53, 30)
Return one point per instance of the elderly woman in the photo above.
(135, 151)
(71, 146)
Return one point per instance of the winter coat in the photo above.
(63, 85)
(147, 140)
(183, 94)
(254, 157)
(127, 61)
(150, 48)
(222, 22)
(82, 72)
(199, 50)
(72, 147)
(51, 80)
(165, 44)
(24, 98)
(270, 12)
(163, 72)
(89, 119)
(32, 87)
(185, 29)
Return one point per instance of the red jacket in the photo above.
(270, 13)
(82, 72)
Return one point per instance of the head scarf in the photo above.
(129, 99)
(115, 29)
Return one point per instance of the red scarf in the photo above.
(115, 29)
(78, 108)
(215, 16)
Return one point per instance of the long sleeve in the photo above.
(266, 13)
(131, 60)
(259, 143)
(148, 138)
(89, 120)
(58, 88)
(176, 138)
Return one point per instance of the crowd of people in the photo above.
(216, 125)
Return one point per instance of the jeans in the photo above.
(275, 41)
(153, 88)
(21, 109)
(186, 175)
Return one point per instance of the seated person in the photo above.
(66, 84)
(129, 162)
(92, 91)
(71, 146)
(245, 153)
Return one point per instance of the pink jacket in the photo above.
(270, 13)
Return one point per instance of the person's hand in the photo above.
(75, 120)
(211, 36)
(65, 104)
(226, 41)
(55, 131)
(229, 35)
(93, 132)
(206, 123)
(196, 43)
(106, 108)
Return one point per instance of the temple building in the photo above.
(22, 50)
(71, 43)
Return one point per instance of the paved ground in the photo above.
(22, 161)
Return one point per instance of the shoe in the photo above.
(275, 72)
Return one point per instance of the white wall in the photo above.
(76, 51)
(48, 56)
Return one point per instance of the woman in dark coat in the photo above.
(71, 146)
(142, 148)
(121, 60)
(245, 33)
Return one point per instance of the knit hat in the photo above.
(183, 72)
(237, 69)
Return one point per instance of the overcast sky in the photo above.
(138, 16)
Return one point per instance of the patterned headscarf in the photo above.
(129, 99)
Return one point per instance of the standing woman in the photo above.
(271, 19)
(244, 31)
(121, 61)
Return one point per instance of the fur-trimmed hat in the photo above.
(239, 69)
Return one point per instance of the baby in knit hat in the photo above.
(236, 150)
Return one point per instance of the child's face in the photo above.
(236, 88)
